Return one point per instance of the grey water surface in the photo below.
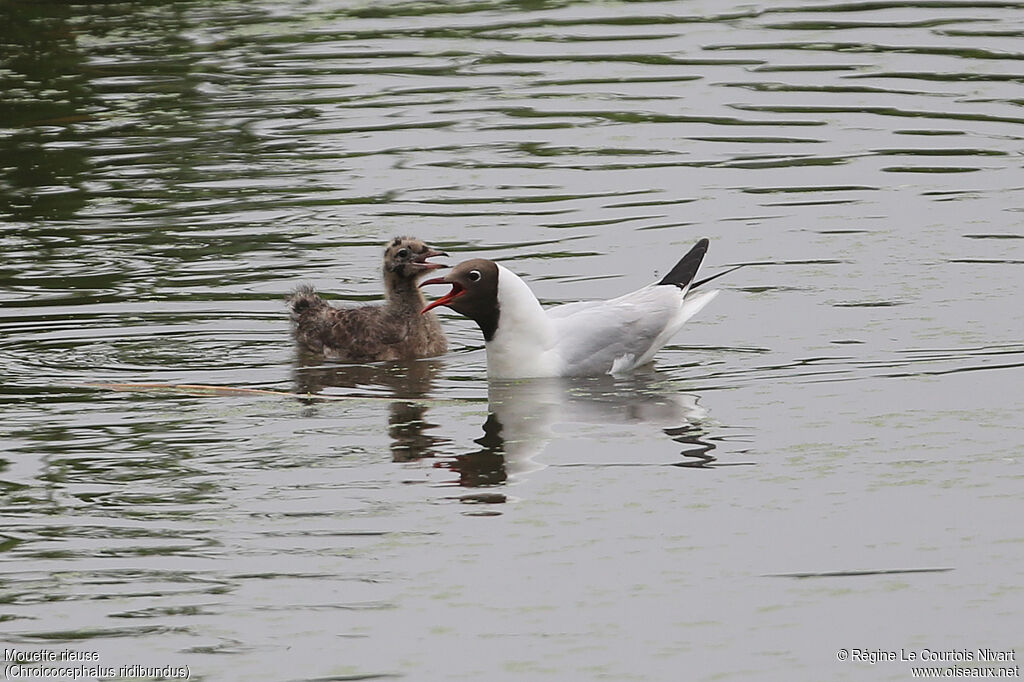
(828, 458)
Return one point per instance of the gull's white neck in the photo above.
(523, 341)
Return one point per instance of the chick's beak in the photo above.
(421, 260)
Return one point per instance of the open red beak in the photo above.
(456, 291)
(430, 253)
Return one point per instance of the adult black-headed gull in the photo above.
(575, 339)
(393, 331)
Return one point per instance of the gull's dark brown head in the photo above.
(406, 258)
(474, 293)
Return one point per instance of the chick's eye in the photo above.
(402, 253)
(474, 275)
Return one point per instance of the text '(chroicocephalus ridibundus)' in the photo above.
(576, 339)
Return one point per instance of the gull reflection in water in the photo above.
(408, 385)
(526, 416)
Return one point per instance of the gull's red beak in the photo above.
(421, 260)
(456, 291)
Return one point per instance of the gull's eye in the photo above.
(474, 275)
(403, 253)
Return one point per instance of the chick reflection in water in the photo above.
(408, 382)
(527, 415)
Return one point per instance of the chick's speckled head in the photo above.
(406, 258)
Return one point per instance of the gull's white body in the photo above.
(587, 338)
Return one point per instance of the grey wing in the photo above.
(567, 309)
(598, 337)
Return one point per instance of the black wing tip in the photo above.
(686, 269)
(716, 276)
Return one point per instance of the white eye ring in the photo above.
(474, 275)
